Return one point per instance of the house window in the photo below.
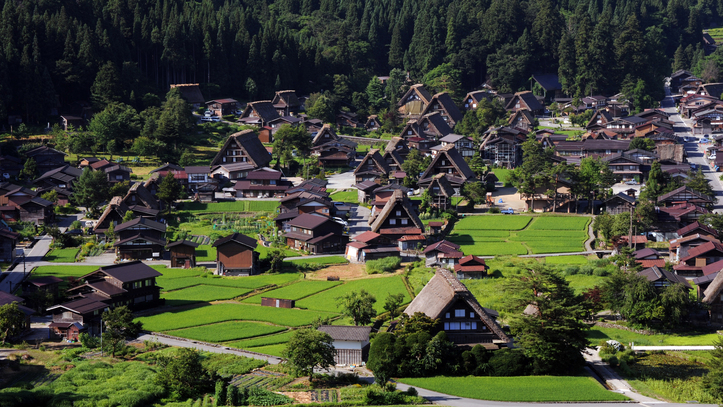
(392, 221)
(471, 314)
(404, 221)
(447, 314)
(474, 105)
(325, 210)
(459, 313)
(119, 177)
(399, 213)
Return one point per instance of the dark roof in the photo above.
(43, 281)
(141, 236)
(446, 102)
(366, 185)
(151, 224)
(308, 221)
(264, 109)
(249, 142)
(620, 195)
(183, 243)
(695, 226)
(347, 333)
(642, 253)
(264, 173)
(42, 150)
(83, 305)
(529, 99)
(191, 92)
(238, 238)
(442, 246)
(381, 166)
(450, 153)
(7, 298)
(655, 273)
(128, 272)
(548, 81)
(685, 188)
(418, 89)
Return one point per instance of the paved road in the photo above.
(695, 151)
(359, 220)
(33, 257)
(341, 181)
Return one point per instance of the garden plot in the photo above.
(379, 287)
(209, 314)
(227, 331)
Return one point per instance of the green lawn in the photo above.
(501, 174)
(294, 291)
(527, 388)
(177, 319)
(205, 252)
(180, 273)
(625, 337)
(62, 255)
(227, 331)
(379, 287)
(202, 293)
(351, 196)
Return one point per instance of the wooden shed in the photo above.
(277, 302)
(183, 254)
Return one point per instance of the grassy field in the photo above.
(62, 271)
(625, 337)
(502, 174)
(294, 291)
(273, 350)
(560, 223)
(62, 255)
(529, 388)
(205, 252)
(237, 206)
(177, 319)
(202, 293)
(379, 287)
(227, 331)
(351, 196)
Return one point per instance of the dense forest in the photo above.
(53, 50)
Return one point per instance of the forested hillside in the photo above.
(52, 50)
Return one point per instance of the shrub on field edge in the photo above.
(385, 265)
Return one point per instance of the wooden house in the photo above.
(648, 257)
(693, 259)
(370, 246)
(372, 123)
(117, 173)
(235, 255)
(183, 253)
(522, 119)
(399, 219)
(474, 98)
(443, 104)
(243, 147)
(463, 144)
(429, 126)
(443, 254)
(80, 315)
(191, 93)
(626, 168)
(677, 77)
(286, 103)
(100, 165)
(471, 267)
(30, 208)
(262, 183)
(685, 195)
(710, 89)
(206, 192)
(525, 100)
(681, 245)
(464, 321)
(619, 203)
(140, 238)
(197, 175)
(448, 161)
(46, 158)
(365, 191)
(372, 167)
(548, 86)
(347, 119)
(441, 191)
(599, 120)
(8, 243)
(138, 194)
(502, 146)
(61, 177)
(222, 107)
(351, 343)
(260, 113)
(660, 278)
(316, 234)
(414, 102)
(332, 150)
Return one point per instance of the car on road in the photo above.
(210, 119)
(631, 182)
(508, 211)
(689, 139)
(340, 220)
(704, 141)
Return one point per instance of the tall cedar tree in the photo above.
(90, 190)
(119, 325)
(169, 191)
(552, 334)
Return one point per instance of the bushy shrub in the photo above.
(385, 265)
(90, 342)
(494, 209)
(587, 269)
(600, 271)
(376, 396)
(262, 397)
(571, 270)
(509, 362)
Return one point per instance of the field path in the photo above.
(205, 346)
(588, 242)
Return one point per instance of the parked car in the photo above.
(340, 220)
(704, 141)
(210, 119)
(508, 211)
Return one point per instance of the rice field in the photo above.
(527, 388)
(250, 283)
(484, 235)
(237, 206)
(493, 222)
(566, 260)
(379, 287)
(202, 293)
(227, 331)
(320, 260)
(62, 255)
(263, 341)
(209, 314)
(294, 291)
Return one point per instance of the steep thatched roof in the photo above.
(445, 188)
(145, 197)
(375, 158)
(714, 289)
(399, 201)
(397, 144)
(249, 142)
(441, 292)
(447, 104)
(450, 153)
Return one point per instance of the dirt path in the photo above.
(591, 235)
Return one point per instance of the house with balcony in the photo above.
(140, 238)
(241, 153)
(262, 183)
(316, 234)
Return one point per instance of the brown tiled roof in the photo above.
(150, 224)
(652, 263)
(713, 268)
(702, 249)
(655, 273)
(308, 221)
(697, 225)
(442, 246)
(366, 237)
